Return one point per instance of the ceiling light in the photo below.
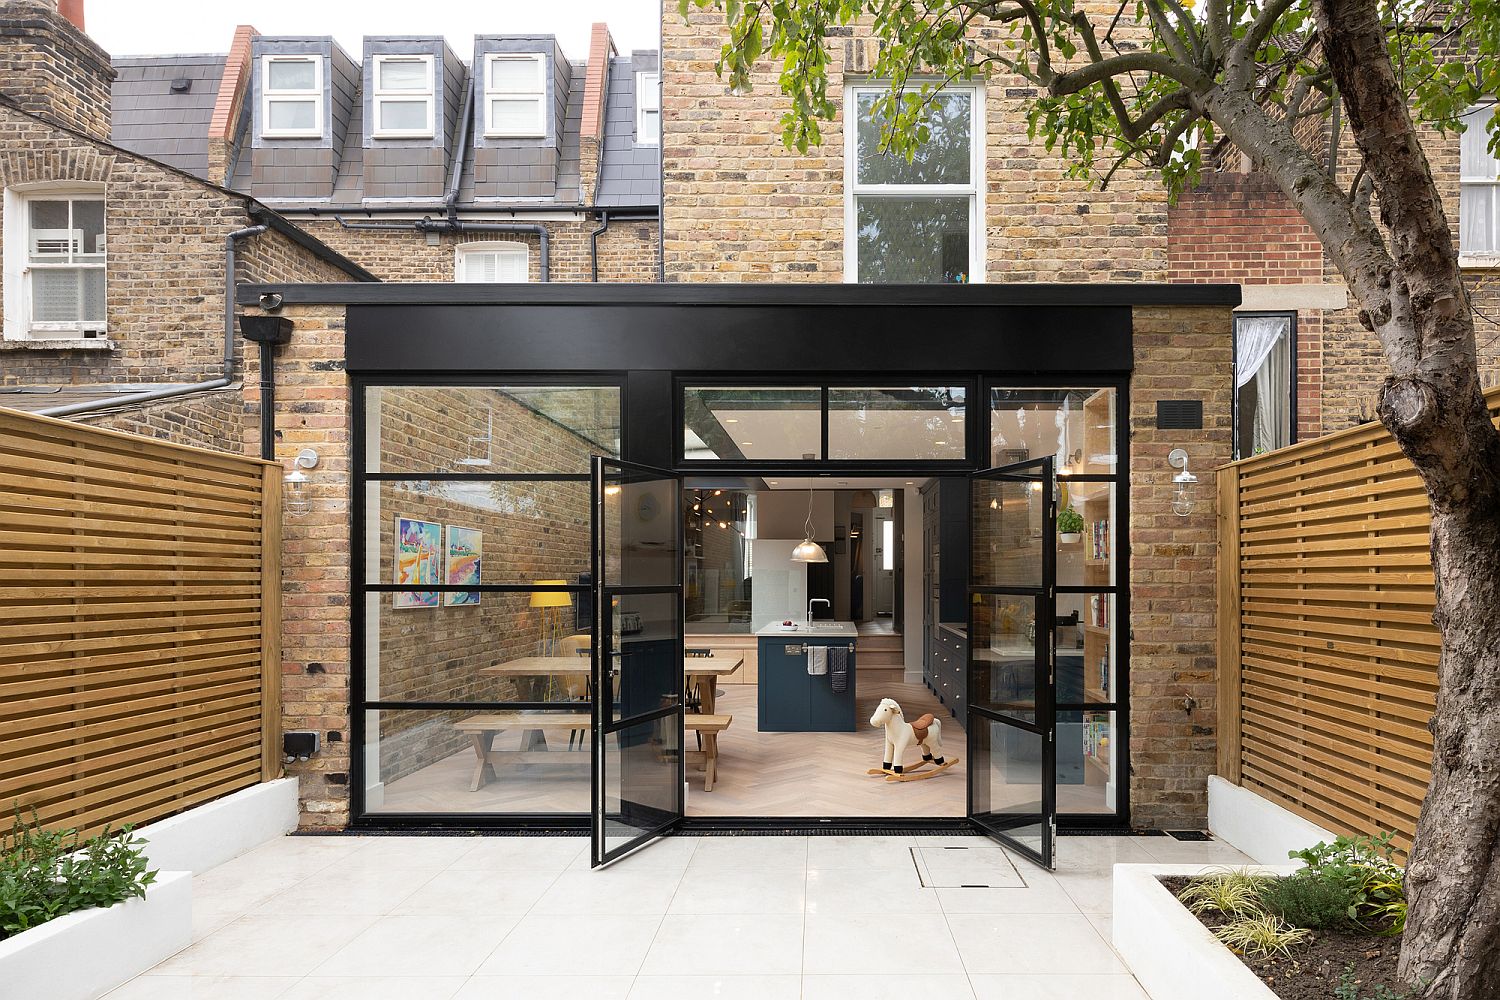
(940, 442)
(732, 420)
(746, 444)
(807, 550)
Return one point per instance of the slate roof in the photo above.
(631, 174)
(154, 120)
(31, 398)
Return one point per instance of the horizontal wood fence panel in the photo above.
(1327, 652)
(139, 623)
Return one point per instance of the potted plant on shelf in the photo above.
(1069, 526)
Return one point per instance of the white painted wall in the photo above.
(1257, 826)
(211, 834)
(915, 602)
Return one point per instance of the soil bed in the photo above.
(1313, 969)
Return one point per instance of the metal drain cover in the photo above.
(966, 868)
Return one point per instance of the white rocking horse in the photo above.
(926, 732)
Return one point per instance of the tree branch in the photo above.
(1073, 81)
(1240, 61)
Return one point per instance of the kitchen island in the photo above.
(790, 699)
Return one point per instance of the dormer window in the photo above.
(403, 101)
(291, 97)
(647, 109)
(515, 95)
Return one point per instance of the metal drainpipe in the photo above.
(461, 149)
(594, 243)
(429, 225)
(151, 395)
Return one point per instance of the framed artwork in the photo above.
(419, 546)
(464, 552)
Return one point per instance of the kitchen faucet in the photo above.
(817, 600)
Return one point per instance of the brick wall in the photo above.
(204, 420)
(50, 67)
(1179, 354)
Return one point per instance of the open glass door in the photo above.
(638, 768)
(1010, 716)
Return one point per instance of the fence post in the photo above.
(270, 623)
(1228, 652)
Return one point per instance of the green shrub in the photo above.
(47, 873)
(1261, 935)
(1306, 899)
(1364, 869)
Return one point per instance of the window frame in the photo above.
(974, 190)
(19, 268)
(491, 94)
(268, 96)
(476, 247)
(1234, 403)
(379, 96)
(647, 83)
(1490, 254)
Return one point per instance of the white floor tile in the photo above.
(887, 987)
(711, 890)
(267, 945)
(459, 892)
(956, 867)
(1057, 987)
(716, 988)
(1041, 894)
(846, 890)
(408, 852)
(238, 885)
(375, 988)
(556, 987)
(664, 854)
(527, 854)
(878, 944)
(726, 945)
(1091, 892)
(1193, 852)
(339, 891)
(582, 945)
(154, 987)
(609, 891)
(1100, 854)
(306, 853)
(1036, 943)
(783, 853)
(420, 946)
(859, 852)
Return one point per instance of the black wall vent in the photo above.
(1179, 414)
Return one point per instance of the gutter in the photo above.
(152, 395)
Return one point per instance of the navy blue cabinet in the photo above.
(793, 701)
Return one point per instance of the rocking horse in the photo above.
(926, 732)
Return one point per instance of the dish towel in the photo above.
(838, 669)
(817, 660)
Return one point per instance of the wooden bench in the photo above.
(481, 729)
(709, 726)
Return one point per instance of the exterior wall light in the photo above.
(296, 493)
(1185, 484)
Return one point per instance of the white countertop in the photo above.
(820, 630)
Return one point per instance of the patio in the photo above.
(462, 918)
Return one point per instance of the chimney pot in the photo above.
(73, 11)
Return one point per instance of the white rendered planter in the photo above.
(1257, 826)
(206, 836)
(1171, 953)
(86, 954)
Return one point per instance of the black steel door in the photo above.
(1012, 728)
(638, 767)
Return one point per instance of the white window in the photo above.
(403, 97)
(917, 222)
(291, 89)
(1265, 358)
(515, 95)
(492, 262)
(1479, 186)
(647, 109)
(54, 265)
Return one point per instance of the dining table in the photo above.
(699, 671)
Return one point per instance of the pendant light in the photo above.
(807, 550)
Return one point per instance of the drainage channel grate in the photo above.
(1188, 835)
(966, 868)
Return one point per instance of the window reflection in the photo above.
(924, 423)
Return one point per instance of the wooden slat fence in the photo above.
(139, 623)
(1327, 651)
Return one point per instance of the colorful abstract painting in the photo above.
(419, 555)
(465, 550)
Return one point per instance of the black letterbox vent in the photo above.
(1179, 414)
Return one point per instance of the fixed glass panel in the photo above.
(1476, 218)
(1263, 383)
(1085, 533)
(912, 240)
(1086, 649)
(490, 429)
(646, 664)
(292, 116)
(403, 116)
(291, 74)
(641, 780)
(945, 158)
(1006, 774)
(507, 647)
(67, 295)
(640, 518)
(719, 527)
(922, 423)
(752, 423)
(1003, 642)
(1073, 427)
(1006, 531)
(516, 115)
(502, 531)
(1086, 762)
(402, 74)
(466, 761)
(516, 74)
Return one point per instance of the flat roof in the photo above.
(439, 293)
